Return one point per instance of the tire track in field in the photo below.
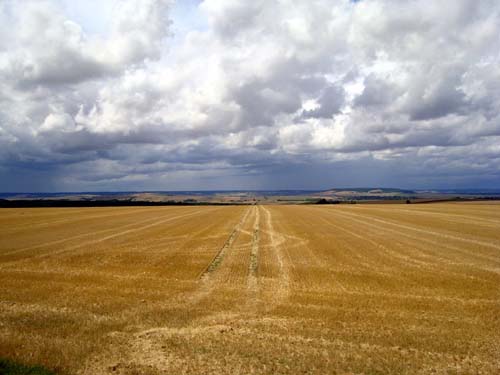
(276, 243)
(254, 254)
(208, 278)
(142, 344)
(138, 346)
(227, 264)
(219, 257)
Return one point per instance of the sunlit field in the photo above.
(374, 289)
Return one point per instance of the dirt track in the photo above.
(254, 289)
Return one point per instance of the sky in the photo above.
(106, 95)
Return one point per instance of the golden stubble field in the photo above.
(374, 289)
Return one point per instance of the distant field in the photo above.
(374, 289)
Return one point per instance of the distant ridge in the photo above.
(281, 192)
(373, 190)
(218, 197)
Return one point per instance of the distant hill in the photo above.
(368, 193)
(149, 198)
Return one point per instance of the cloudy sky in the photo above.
(238, 94)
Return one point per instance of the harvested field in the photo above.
(375, 289)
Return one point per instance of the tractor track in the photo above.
(219, 257)
(254, 254)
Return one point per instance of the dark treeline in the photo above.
(404, 200)
(21, 203)
(455, 199)
(331, 201)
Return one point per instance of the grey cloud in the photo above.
(376, 93)
(439, 97)
(261, 104)
(329, 103)
(231, 19)
(403, 95)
